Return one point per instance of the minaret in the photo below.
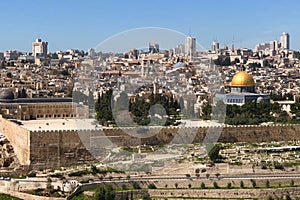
(212, 65)
(154, 88)
(232, 47)
(143, 70)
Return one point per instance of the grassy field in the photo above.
(82, 197)
(8, 197)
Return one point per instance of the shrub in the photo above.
(57, 175)
(79, 173)
(32, 174)
(124, 187)
(278, 166)
(146, 197)
(94, 169)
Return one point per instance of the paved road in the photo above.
(177, 178)
(182, 177)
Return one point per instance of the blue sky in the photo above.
(78, 24)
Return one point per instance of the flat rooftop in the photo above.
(60, 124)
(88, 124)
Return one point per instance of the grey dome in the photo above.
(260, 100)
(7, 94)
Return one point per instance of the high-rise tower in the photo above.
(285, 41)
(215, 46)
(190, 46)
(39, 48)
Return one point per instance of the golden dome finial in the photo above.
(242, 79)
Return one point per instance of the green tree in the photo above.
(136, 186)
(103, 108)
(202, 185)
(283, 117)
(146, 196)
(94, 169)
(215, 184)
(65, 73)
(292, 183)
(253, 182)
(124, 187)
(9, 75)
(152, 186)
(229, 185)
(267, 184)
(206, 112)
(213, 154)
(242, 185)
(49, 183)
(105, 193)
(270, 197)
(109, 193)
(140, 108)
(140, 111)
(100, 193)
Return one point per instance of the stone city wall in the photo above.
(63, 148)
(51, 149)
(19, 138)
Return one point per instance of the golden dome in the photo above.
(242, 79)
